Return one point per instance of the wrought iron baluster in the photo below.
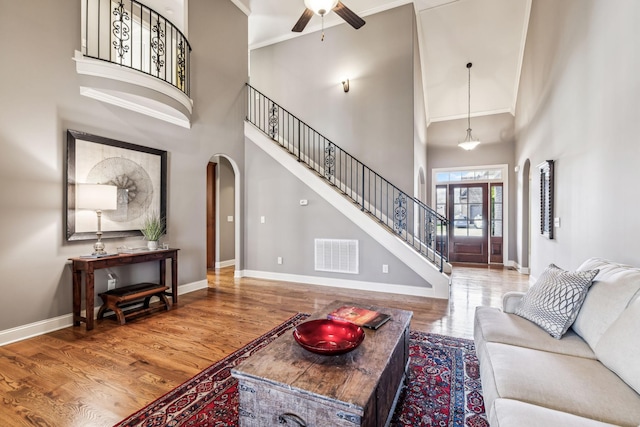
(273, 120)
(121, 30)
(157, 44)
(329, 160)
(400, 213)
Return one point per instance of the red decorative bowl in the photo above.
(327, 336)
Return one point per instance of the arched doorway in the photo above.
(223, 213)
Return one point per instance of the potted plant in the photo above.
(152, 229)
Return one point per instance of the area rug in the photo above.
(443, 388)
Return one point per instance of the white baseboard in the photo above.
(228, 263)
(388, 288)
(42, 327)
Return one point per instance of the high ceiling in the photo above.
(488, 33)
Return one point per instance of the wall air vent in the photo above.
(336, 256)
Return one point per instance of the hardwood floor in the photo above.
(72, 377)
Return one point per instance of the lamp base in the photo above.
(98, 248)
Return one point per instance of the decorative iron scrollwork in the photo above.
(121, 30)
(181, 63)
(273, 120)
(400, 214)
(157, 44)
(329, 160)
(430, 229)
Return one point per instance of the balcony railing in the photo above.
(132, 35)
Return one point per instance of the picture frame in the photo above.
(546, 198)
(139, 172)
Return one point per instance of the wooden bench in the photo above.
(119, 298)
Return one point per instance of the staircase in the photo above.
(412, 231)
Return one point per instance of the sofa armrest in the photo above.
(510, 301)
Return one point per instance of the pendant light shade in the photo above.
(469, 142)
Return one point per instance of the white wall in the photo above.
(40, 100)
(578, 105)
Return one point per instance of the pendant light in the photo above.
(469, 142)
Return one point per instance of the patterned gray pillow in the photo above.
(554, 301)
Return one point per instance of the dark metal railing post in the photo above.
(299, 138)
(362, 208)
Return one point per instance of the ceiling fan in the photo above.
(321, 8)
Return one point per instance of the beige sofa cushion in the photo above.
(619, 347)
(611, 291)
(579, 386)
(513, 413)
(492, 325)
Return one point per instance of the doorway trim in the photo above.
(505, 194)
(237, 212)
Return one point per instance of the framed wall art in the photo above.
(546, 198)
(139, 173)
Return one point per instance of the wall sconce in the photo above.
(345, 85)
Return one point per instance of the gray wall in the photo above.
(374, 120)
(497, 147)
(290, 229)
(226, 208)
(40, 100)
(419, 122)
(578, 104)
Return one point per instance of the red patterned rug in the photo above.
(444, 388)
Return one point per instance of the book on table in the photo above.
(360, 316)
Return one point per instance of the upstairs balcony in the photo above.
(135, 58)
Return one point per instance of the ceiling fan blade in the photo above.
(303, 21)
(348, 15)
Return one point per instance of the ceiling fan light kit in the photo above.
(469, 142)
(321, 8)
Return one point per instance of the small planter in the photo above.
(152, 229)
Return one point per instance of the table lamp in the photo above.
(100, 198)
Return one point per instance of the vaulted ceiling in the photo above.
(488, 33)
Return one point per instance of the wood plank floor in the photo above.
(73, 377)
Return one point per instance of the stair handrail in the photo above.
(274, 121)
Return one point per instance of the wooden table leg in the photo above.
(77, 296)
(174, 277)
(89, 296)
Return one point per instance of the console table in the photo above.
(89, 265)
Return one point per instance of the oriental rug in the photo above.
(443, 388)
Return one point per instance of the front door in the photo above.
(468, 229)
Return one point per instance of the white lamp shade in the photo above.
(96, 197)
(320, 7)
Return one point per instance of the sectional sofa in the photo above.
(589, 377)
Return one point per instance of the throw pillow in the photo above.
(554, 301)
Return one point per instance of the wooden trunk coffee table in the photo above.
(284, 384)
